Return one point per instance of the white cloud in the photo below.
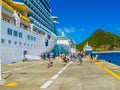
(69, 30)
(66, 30)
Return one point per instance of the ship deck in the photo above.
(34, 75)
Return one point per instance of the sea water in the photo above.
(112, 57)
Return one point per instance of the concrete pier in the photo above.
(34, 75)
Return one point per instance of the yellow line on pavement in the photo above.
(11, 84)
(108, 70)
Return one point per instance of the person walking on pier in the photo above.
(42, 56)
(73, 56)
(48, 62)
(47, 57)
(91, 56)
(80, 58)
(64, 59)
(96, 57)
(51, 58)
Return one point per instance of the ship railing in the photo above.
(8, 21)
(13, 23)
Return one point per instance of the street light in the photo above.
(1, 80)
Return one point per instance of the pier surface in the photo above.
(34, 75)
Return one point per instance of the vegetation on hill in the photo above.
(101, 40)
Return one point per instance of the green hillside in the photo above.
(101, 40)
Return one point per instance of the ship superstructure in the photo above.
(28, 28)
(87, 49)
(64, 45)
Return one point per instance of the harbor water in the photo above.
(112, 57)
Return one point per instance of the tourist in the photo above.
(96, 57)
(47, 57)
(51, 58)
(91, 56)
(48, 62)
(73, 56)
(42, 56)
(64, 59)
(80, 58)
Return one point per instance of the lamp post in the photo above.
(1, 80)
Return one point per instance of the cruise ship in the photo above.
(87, 49)
(64, 45)
(27, 29)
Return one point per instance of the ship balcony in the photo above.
(37, 10)
(12, 22)
(44, 21)
(41, 28)
(41, 24)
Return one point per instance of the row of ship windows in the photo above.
(19, 43)
(29, 37)
(43, 23)
(43, 16)
(43, 20)
(38, 9)
(16, 34)
(41, 7)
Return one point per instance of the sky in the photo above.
(80, 18)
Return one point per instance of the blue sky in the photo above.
(80, 18)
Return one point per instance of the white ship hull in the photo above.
(88, 49)
(64, 45)
(14, 48)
